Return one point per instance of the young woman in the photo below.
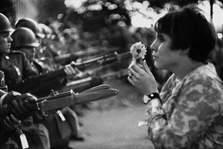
(187, 113)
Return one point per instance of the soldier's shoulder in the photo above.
(15, 52)
(12, 53)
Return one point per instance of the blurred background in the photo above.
(91, 28)
(93, 18)
(88, 29)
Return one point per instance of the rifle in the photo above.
(82, 84)
(69, 57)
(34, 83)
(96, 78)
(60, 100)
(104, 59)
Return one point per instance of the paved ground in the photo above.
(112, 123)
(114, 129)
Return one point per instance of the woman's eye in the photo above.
(160, 38)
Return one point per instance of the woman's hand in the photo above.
(142, 78)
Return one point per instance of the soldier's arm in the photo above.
(19, 105)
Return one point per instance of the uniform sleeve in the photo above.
(28, 71)
(3, 86)
(185, 117)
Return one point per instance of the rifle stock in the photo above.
(34, 82)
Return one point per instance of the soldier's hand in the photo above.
(9, 123)
(21, 106)
(72, 73)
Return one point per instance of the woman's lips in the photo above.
(154, 57)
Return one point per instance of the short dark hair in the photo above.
(188, 28)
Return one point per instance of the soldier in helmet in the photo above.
(24, 40)
(31, 24)
(14, 106)
(52, 49)
(12, 62)
(42, 52)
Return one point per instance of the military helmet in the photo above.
(23, 37)
(31, 24)
(5, 25)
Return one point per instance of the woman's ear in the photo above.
(185, 51)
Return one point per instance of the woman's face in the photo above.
(164, 57)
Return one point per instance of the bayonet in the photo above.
(60, 100)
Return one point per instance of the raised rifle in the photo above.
(38, 83)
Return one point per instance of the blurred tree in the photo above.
(161, 3)
(6, 7)
(50, 9)
(100, 14)
(15, 9)
(95, 15)
(101, 18)
(181, 3)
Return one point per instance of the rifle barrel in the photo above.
(105, 59)
(94, 60)
(30, 83)
(117, 57)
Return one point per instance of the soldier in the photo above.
(14, 107)
(24, 40)
(43, 51)
(11, 104)
(16, 68)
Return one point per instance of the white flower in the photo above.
(138, 50)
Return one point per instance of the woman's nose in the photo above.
(152, 46)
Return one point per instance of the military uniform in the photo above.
(60, 127)
(45, 87)
(63, 124)
(16, 68)
(3, 86)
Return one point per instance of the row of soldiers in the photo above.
(23, 125)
